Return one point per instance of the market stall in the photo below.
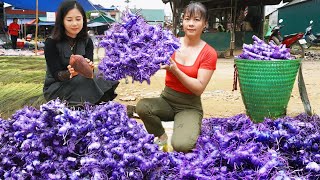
(231, 22)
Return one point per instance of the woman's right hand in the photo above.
(90, 63)
(72, 72)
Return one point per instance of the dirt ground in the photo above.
(218, 99)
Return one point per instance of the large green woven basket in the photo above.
(266, 86)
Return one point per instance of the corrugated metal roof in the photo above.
(294, 2)
(103, 19)
(153, 15)
(44, 19)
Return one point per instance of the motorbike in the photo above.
(312, 39)
(295, 41)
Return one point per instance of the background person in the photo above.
(14, 32)
(187, 76)
(62, 81)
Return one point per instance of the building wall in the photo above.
(273, 18)
(296, 17)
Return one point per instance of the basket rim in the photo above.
(260, 60)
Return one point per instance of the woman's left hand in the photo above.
(72, 72)
(171, 67)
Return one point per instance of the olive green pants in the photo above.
(184, 109)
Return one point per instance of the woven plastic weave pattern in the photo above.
(266, 86)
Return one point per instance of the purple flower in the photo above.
(136, 49)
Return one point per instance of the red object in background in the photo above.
(33, 21)
(29, 37)
(290, 39)
(20, 44)
(14, 29)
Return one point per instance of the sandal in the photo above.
(131, 112)
(162, 142)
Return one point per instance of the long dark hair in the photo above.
(196, 7)
(58, 32)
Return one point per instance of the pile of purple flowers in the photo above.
(56, 142)
(260, 50)
(101, 142)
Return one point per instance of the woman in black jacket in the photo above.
(62, 81)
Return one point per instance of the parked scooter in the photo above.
(295, 41)
(312, 39)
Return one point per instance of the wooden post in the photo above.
(263, 21)
(233, 19)
(25, 31)
(174, 18)
(36, 33)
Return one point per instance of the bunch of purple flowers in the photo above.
(135, 48)
(260, 50)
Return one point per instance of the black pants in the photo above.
(14, 41)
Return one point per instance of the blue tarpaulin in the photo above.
(46, 5)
